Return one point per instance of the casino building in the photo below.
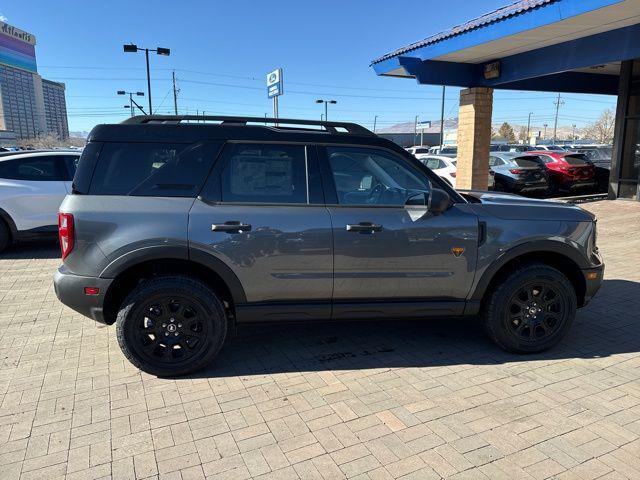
(29, 105)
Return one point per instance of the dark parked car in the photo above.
(179, 231)
(510, 148)
(568, 171)
(518, 173)
(600, 157)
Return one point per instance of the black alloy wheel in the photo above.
(171, 326)
(536, 312)
(529, 309)
(169, 329)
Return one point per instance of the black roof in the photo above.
(192, 128)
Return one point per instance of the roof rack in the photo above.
(332, 127)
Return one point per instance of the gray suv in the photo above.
(178, 231)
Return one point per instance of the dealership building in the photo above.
(29, 105)
(564, 46)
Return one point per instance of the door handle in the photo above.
(232, 226)
(364, 227)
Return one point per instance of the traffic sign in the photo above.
(275, 83)
(423, 125)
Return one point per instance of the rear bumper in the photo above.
(69, 289)
(592, 284)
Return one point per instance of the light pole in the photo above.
(558, 103)
(573, 134)
(326, 102)
(131, 100)
(375, 121)
(545, 131)
(529, 127)
(132, 48)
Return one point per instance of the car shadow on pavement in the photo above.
(40, 249)
(607, 326)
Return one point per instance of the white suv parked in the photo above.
(32, 187)
(445, 168)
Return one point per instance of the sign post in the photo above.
(275, 88)
(422, 126)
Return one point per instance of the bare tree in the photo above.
(602, 129)
(522, 135)
(48, 141)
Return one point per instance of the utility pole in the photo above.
(175, 94)
(558, 103)
(415, 130)
(375, 121)
(529, 127)
(573, 134)
(442, 118)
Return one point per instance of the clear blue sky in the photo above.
(221, 51)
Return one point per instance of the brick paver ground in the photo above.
(367, 401)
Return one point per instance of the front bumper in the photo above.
(593, 279)
(69, 289)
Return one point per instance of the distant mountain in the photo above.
(564, 131)
(409, 127)
(83, 134)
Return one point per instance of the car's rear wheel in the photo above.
(5, 236)
(530, 309)
(171, 326)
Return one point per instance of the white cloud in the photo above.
(3, 18)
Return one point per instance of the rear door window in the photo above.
(152, 169)
(35, 169)
(265, 173)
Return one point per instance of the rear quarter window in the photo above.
(86, 165)
(528, 162)
(152, 169)
(576, 159)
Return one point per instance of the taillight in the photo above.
(66, 233)
(453, 174)
(516, 171)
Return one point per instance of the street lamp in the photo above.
(545, 131)
(326, 102)
(132, 102)
(132, 48)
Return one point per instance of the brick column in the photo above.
(474, 137)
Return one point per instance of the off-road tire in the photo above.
(498, 316)
(132, 314)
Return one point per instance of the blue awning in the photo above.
(559, 45)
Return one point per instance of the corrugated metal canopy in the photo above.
(500, 14)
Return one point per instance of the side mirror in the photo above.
(439, 201)
(419, 200)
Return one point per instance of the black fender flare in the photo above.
(540, 246)
(178, 252)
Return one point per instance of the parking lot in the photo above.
(363, 400)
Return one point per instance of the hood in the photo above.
(515, 207)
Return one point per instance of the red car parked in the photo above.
(567, 170)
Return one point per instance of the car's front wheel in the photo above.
(171, 326)
(531, 309)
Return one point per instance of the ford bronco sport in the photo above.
(176, 231)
